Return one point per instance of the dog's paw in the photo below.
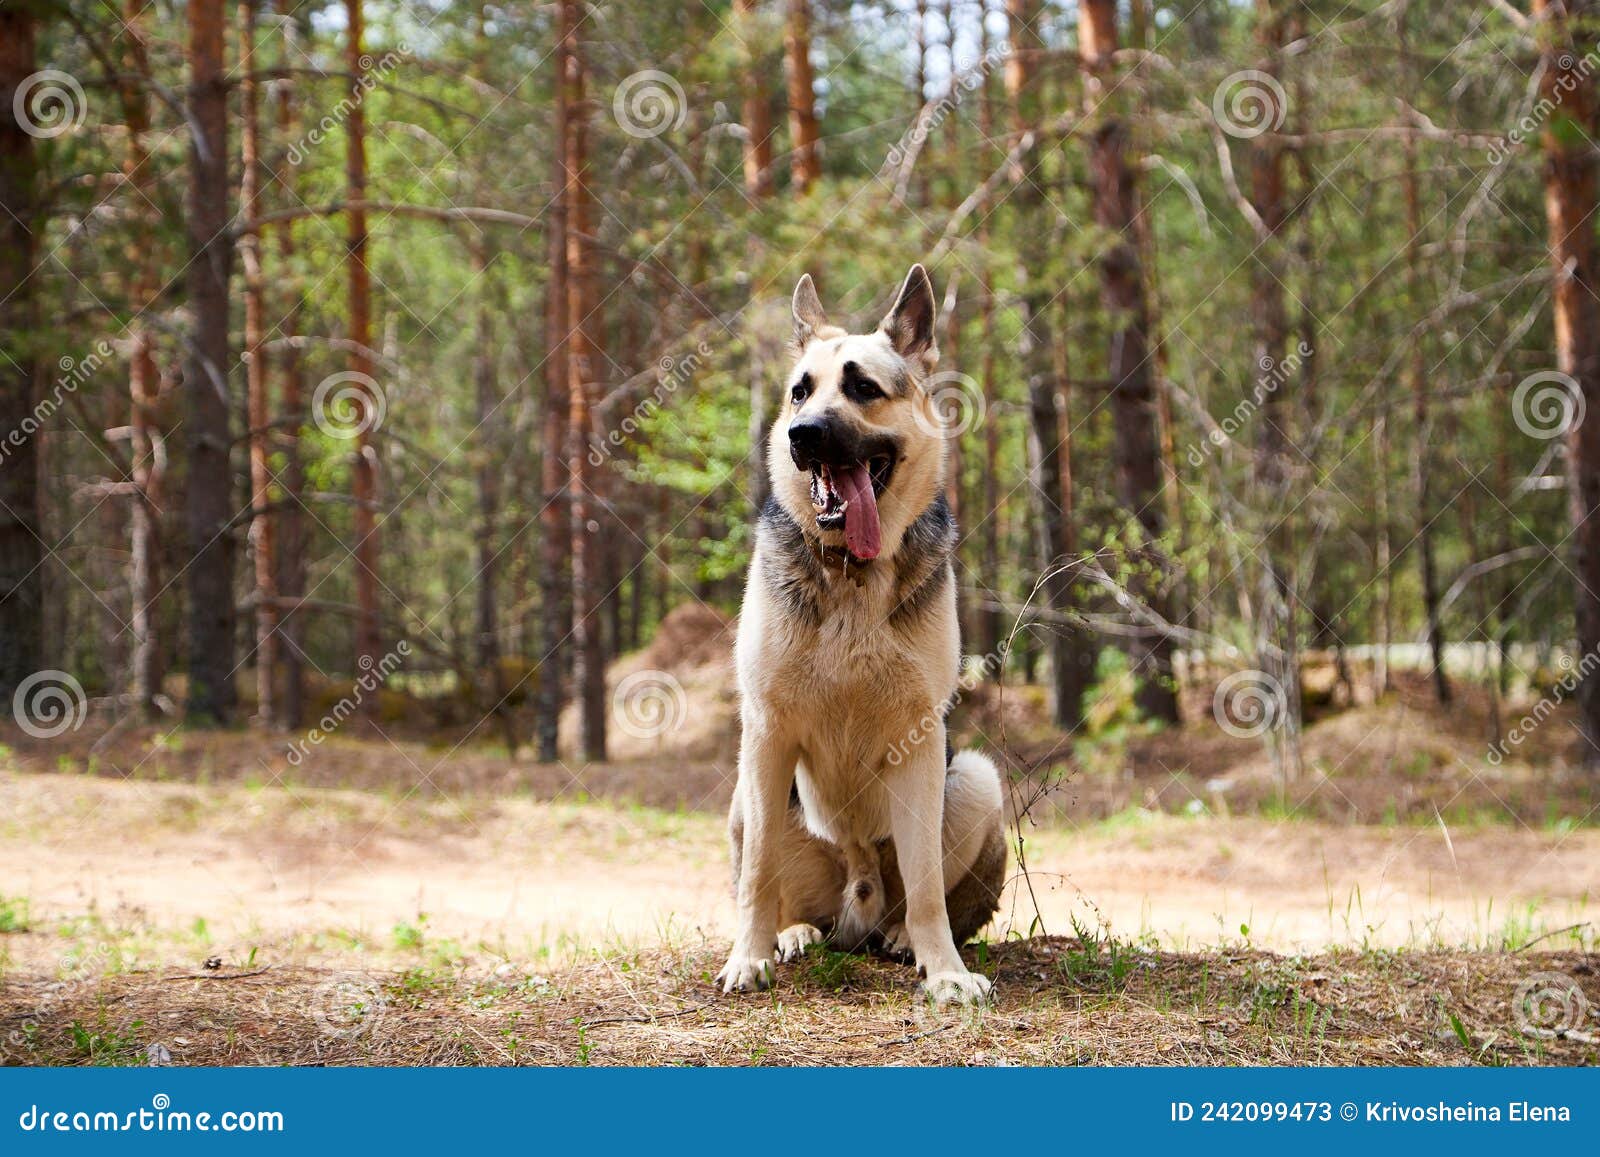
(897, 944)
(745, 974)
(795, 939)
(958, 988)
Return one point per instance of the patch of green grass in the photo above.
(103, 1045)
(411, 935)
(13, 914)
(826, 969)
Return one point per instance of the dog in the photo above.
(852, 820)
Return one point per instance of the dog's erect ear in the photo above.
(808, 315)
(910, 323)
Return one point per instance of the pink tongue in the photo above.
(861, 533)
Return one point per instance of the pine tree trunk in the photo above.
(1136, 449)
(1570, 205)
(1070, 656)
(21, 541)
(291, 525)
(144, 538)
(258, 405)
(757, 117)
(364, 470)
(587, 562)
(1417, 372)
(1275, 628)
(208, 505)
(555, 535)
(804, 164)
(991, 625)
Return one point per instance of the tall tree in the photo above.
(369, 639)
(555, 536)
(1136, 450)
(258, 406)
(1269, 314)
(756, 115)
(1070, 656)
(291, 580)
(1421, 400)
(1571, 198)
(588, 669)
(21, 541)
(207, 438)
(144, 522)
(805, 166)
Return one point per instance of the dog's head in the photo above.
(858, 450)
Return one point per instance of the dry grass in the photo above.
(1063, 1002)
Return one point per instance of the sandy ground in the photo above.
(268, 866)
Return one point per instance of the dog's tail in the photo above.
(974, 779)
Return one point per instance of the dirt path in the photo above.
(274, 866)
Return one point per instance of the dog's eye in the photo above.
(801, 390)
(858, 387)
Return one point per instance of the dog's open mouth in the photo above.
(847, 497)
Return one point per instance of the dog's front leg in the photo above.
(766, 773)
(916, 816)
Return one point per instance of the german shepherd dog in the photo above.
(851, 819)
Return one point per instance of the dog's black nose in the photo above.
(810, 439)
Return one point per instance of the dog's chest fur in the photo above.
(850, 664)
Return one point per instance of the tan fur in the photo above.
(846, 705)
